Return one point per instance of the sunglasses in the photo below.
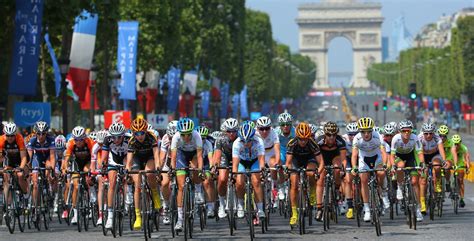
(264, 129)
(405, 131)
(351, 134)
(366, 132)
(231, 132)
(185, 134)
(78, 139)
(10, 135)
(41, 133)
(139, 133)
(285, 124)
(116, 137)
(428, 134)
(330, 135)
(303, 140)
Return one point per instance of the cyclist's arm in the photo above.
(289, 160)
(441, 151)
(129, 160)
(52, 157)
(216, 157)
(173, 159)
(156, 157)
(30, 153)
(455, 155)
(384, 155)
(199, 158)
(467, 160)
(343, 155)
(320, 160)
(235, 163)
(103, 158)
(392, 158)
(23, 158)
(421, 157)
(162, 158)
(355, 153)
(277, 153)
(261, 161)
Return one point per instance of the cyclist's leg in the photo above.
(137, 180)
(151, 179)
(181, 162)
(240, 188)
(460, 181)
(6, 182)
(257, 187)
(294, 177)
(222, 182)
(336, 162)
(436, 171)
(34, 177)
(209, 189)
(347, 186)
(312, 181)
(165, 186)
(112, 176)
(447, 173)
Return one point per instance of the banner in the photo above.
(430, 103)
(27, 114)
(159, 121)
(23, 73)
(190, 81)
(57, 72)
(456, 106)
(441, 104)
(205, 99)
(111, 116)
(127, 59)
(82, 53)
(266, 108)
(235, 106)
(173, 88)
(244, 112)
(224, 100)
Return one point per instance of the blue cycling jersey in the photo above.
(284, 141)
(41, 151)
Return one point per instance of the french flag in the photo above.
(82, 53)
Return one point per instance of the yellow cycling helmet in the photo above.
(365, 123)
(443, 130)
(456, 139)
(303, 130)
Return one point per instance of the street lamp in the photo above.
(92, 78)
(64, 68)
(143, 85)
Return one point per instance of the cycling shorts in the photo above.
(183, 158)
(302, 163)
(409, 158)
(429, 157)
(369, 162)
(252, 165)
(328, 156)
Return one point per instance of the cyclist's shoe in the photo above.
(138, 223)
(281, 193)
(419, 216)
(293, 221)
(461, 203)
(210, 213)
(129, 197)
(199, 197)
(93, 194)
(350, 213)
(156, 199)
(166, 220)
(423, 207)
(367, 216)
(221, 213)
(99, 219)
(319, 215)
(74, 217)
(438, 187)
(240, 212)
(312, 198)
(342, 208)
(261, 213)
(109, 223)
(399, 194)
(65, 214)
(448, 187)
(179, 226)
(386, 202)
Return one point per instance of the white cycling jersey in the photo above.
(348, 144)
(432, 145)
(165, 143)
(271, 139)
(398, 146)
(207, 148)
(194, 144)
(247, 154)
(368, 148)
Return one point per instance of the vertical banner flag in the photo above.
(127, 58)
(23, 73)
(173, 88)
(441, 104)
(244, 111)
(57, 72)
(235, 106)
(205, 98)
(82, 53)
(266, 108)
(224, 100)
(190, 81)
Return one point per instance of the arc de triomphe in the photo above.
(360, 23)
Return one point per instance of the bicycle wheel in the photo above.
(10, 219)
(249, 206)
(186, 211)
(231, 205)
(455, 195)
(144, 212)
(86, 209)
(357, 202)
(45, 208)
(412, 206)
(173, 209)
(326, 211)
(121, 198)
(375, 207)
(21, 216)
(115, 207)
(431, 199)
(301, 209)
(105, 213)
(79, 208)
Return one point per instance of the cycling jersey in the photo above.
(330, 152)
(11, 151)
(165, 148)
(432, 145)
(387, 144)
(302, 155)
(41, 152)
(82, 154)
(178, 143)
(461, 152)
(117, 153)
(224, 144)
(406, 151)
(142, 151)
(348, 144)
(284, 141)
(269, 144)
(207, 150)
(447, 149)
(370, 154)
(248, 156)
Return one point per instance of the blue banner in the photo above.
(127, 58)
(224, 99)
(419, 103)
(266, 108)
(27, 114)
(235, 106)
(24, 68)
(173, 89)
(255, 115)
(441, 104)
(430, 103)
(244, 111)
(57, 72)
(456, 106)
(205, 98)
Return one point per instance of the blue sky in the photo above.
(417, 13)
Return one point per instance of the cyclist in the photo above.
(348, 204)
(207, 152)
(368, 152)
(165, 166)
(143, 154)
(461, 164)
(41, 150)
(248, 153)
(79, 146)
(302, 152)
(186, 151)
(92, 135)
(315, 131)
(333, 149)
(13, 155)
(95, 160)
(223, 158)
(433, 152)
(285, 133)
(443, 132)
(60, 144)
(405, 145)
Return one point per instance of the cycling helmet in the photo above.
(285, 118)
(377, 129)
(9, 128)
(185, 125)
(246, 132)
(331, 128)
(117, 129)
(101, 136)
(78, 132)
(230, 124)
(139, 124)
(443, 130)
(456, 139)
(216, 135)
(172, 128)
(264, 122)
(93, 135)
(405, 124)
(313, 128)
(389, 129)
(365, 123)
(41, 126)
(203, 131)
(252, 124)
(303, 130)
(60, 142)
(319, 132)
(428, 127)
(352, 128)
(150, 127)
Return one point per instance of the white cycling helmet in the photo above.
(428, 127)
(230, 124)
(101, 136)
(264, 122)
(150, 127)
(78, 132)
(314, 128)
(405, 124)
(117, 129)
(319, 132)
(40, 126)
(93, 135)
(285, 118)
(9, 128)
(60, 142)
(172, 128)
(352, 128)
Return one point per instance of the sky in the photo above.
(417, 14)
